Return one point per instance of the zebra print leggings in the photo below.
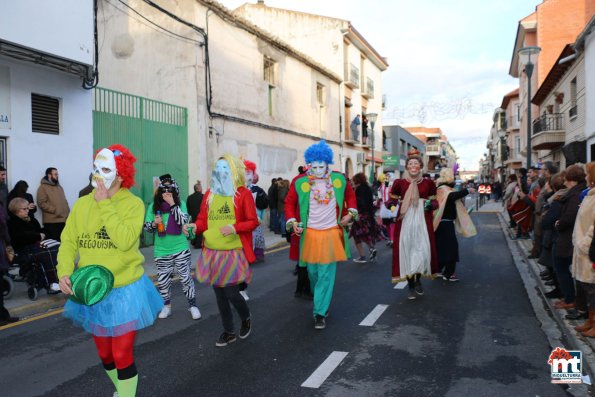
(165, 271)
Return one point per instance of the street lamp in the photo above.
(502, 136)
(525, 54)
(372, 120)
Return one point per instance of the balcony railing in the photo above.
(433, 150)
(351, 75)
(548, 132)
(369, 88)
(549, 122)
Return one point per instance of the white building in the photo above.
(245, 91)
(336, 44)
(46, 49)
(585, 45)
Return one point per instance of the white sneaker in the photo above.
(245, 295)
(195, 313)
(54, 287)
(165, 312)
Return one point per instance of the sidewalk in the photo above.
(21, 306)
(568, 337)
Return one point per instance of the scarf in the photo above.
(411, 195)
(463, 223)
(172, 227)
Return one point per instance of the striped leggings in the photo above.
(165, 271)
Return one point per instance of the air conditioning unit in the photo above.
(361, 158)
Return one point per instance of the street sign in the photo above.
(390, 160)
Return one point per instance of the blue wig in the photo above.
(320, 151)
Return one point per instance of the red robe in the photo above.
(246, 219)
(427, 189)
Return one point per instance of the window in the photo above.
(269, 71)
(572, 112)
(320, 94)
(45, 114)
(270, 78)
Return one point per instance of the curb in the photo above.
(567, 336)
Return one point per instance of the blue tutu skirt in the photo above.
(125, 309)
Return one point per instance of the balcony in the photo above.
(368, 93)
(351, 75)
(548, 132)
(514, 156)
(433, 149)
(512, 123)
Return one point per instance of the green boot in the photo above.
(113, 375)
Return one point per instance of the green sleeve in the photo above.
(124, 227)
(150, 217)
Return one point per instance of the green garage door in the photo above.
(156, 132)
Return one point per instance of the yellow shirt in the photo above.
(221, 213)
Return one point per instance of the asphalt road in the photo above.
(479, 336)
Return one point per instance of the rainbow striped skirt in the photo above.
(223, 268)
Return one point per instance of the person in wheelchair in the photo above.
(31, 246)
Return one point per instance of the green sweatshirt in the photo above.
(104, 233)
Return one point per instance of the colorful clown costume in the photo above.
(317, 206)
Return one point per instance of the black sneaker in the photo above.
(361, 259)
(319, 322)
(555, 293)
(373, 253)
(411, 295)
(245, 329)
(418, 288)
(225, 339)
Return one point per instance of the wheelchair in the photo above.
(8, 286)
(34, 266)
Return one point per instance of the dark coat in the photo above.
(568, 212)
(272, 193)
(365, 199)
(23, 233)
(193, 204)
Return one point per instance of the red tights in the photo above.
(117, 349)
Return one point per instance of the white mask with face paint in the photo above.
(104, 168)
(221, 182)
(318, 169)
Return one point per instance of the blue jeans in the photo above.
(281, 223)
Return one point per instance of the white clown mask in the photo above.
(318, 169)
(221, 182)
(104, 168)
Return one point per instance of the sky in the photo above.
(448, 59)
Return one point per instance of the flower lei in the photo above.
(317, 193)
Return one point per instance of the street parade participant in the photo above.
(364, 229)
(414, 248)
(262, 202)
(166, 216)
(227, 219)
(104, 228)
(319, 205)
(387, 215)
(450, 215)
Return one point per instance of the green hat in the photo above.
(90, 284)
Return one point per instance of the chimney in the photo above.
(260, 2)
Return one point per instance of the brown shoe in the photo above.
(588, 324)
(589, 333)
(564, 305)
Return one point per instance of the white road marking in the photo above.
(324, 370)
(373, 316)
(401, 285)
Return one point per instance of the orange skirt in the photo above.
(323, 247)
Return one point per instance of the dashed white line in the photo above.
(373, 316)
(400, 285)
(324, 370)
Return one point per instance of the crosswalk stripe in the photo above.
(324, 370)
(374, 315)
(400, 285)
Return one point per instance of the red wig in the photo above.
(124, 164)
(250, 166)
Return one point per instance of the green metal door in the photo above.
(156, 132)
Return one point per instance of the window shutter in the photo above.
(45, 114)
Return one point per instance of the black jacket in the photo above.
(23, 233)
(193, 204)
